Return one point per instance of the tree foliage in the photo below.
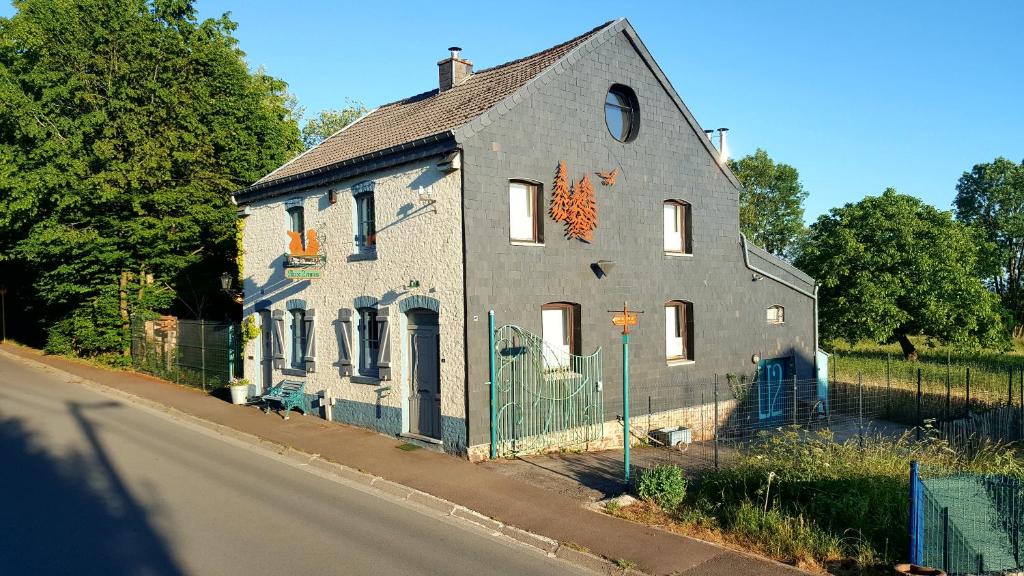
(891, 266)
(991, 198)
(771, 203)
(124, 127)
(327, 122)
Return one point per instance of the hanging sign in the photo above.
(303, 273)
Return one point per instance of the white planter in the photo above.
(239, 394)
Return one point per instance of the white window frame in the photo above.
(677, 237)
(679, 333)
(516, 229)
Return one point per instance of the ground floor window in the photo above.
(560, 325)
(369, 342)
(678, 330)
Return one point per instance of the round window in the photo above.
(621, 113)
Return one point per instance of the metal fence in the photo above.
(723, 417)
(196, 353)
(966, 523)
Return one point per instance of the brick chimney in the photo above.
(453, 70)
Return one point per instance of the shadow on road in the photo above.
(72, 514)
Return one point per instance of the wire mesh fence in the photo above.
(970, 523)
(725, 417)
(196, 353)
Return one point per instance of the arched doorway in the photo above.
(424, 346)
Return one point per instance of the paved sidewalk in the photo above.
(505, 499)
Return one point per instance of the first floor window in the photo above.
(299, 336)
(524, 222)
(560, 324)
(678, 330)
(776, 314)
(677, 227)
(366, 226)
(369, 342)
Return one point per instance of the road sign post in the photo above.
(625, 318)
(3, 311)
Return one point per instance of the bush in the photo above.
(664, 485)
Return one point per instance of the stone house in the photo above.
(371, 261)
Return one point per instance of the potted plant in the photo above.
(239, 390)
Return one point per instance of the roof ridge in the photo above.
(435, 91)
(549, 49)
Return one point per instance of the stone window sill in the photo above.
(363, 255)
(371, 380)
(293, 372)
(525, 243)
(679, 362)
(679, 254)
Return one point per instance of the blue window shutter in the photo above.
(384, 334)
(309, 355)
(277, 338)
(345, 341)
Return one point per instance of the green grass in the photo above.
(883, 365)
(815, 501)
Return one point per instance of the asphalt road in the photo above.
(92, 484)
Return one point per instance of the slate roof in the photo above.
(428, 113)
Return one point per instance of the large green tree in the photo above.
(327, 122)
(771, 203)
(124, 127)
(891, 266)
(991, 198)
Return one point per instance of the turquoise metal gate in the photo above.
(543, 398)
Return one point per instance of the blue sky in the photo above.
(857, 96)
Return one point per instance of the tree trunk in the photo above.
(909, 352)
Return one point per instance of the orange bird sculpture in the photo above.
(608, 178)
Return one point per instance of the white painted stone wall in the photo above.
(415, 241)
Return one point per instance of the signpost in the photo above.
(625, 318)
(3, 310)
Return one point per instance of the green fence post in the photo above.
(231, 352)
(716, 420)
(945, 539)
(967, 403)
(625, 404)
(919, 423)
(1009, 386)
(202, 351)
(916, 512)
(494, 388)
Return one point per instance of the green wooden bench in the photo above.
(289, 394)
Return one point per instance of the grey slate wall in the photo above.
(564, 120)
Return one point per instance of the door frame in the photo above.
(266, 362)
(407, 327)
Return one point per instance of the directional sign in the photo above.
(624, 320)
(303, 274)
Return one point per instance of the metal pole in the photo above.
(625, 405)
(860, 409)
(945, 539)
(231, 352)
(1009, 386)
(794, 399)
(493, 386)
(888, 382)
(919, 422)
(967, 404)
(716, 420)
(947, 386)
(915, 514)
(3, 310)
(202, 351)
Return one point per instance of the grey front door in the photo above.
(424, 375)
(266, 352)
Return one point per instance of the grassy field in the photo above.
(990, 372)
(820, 504)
